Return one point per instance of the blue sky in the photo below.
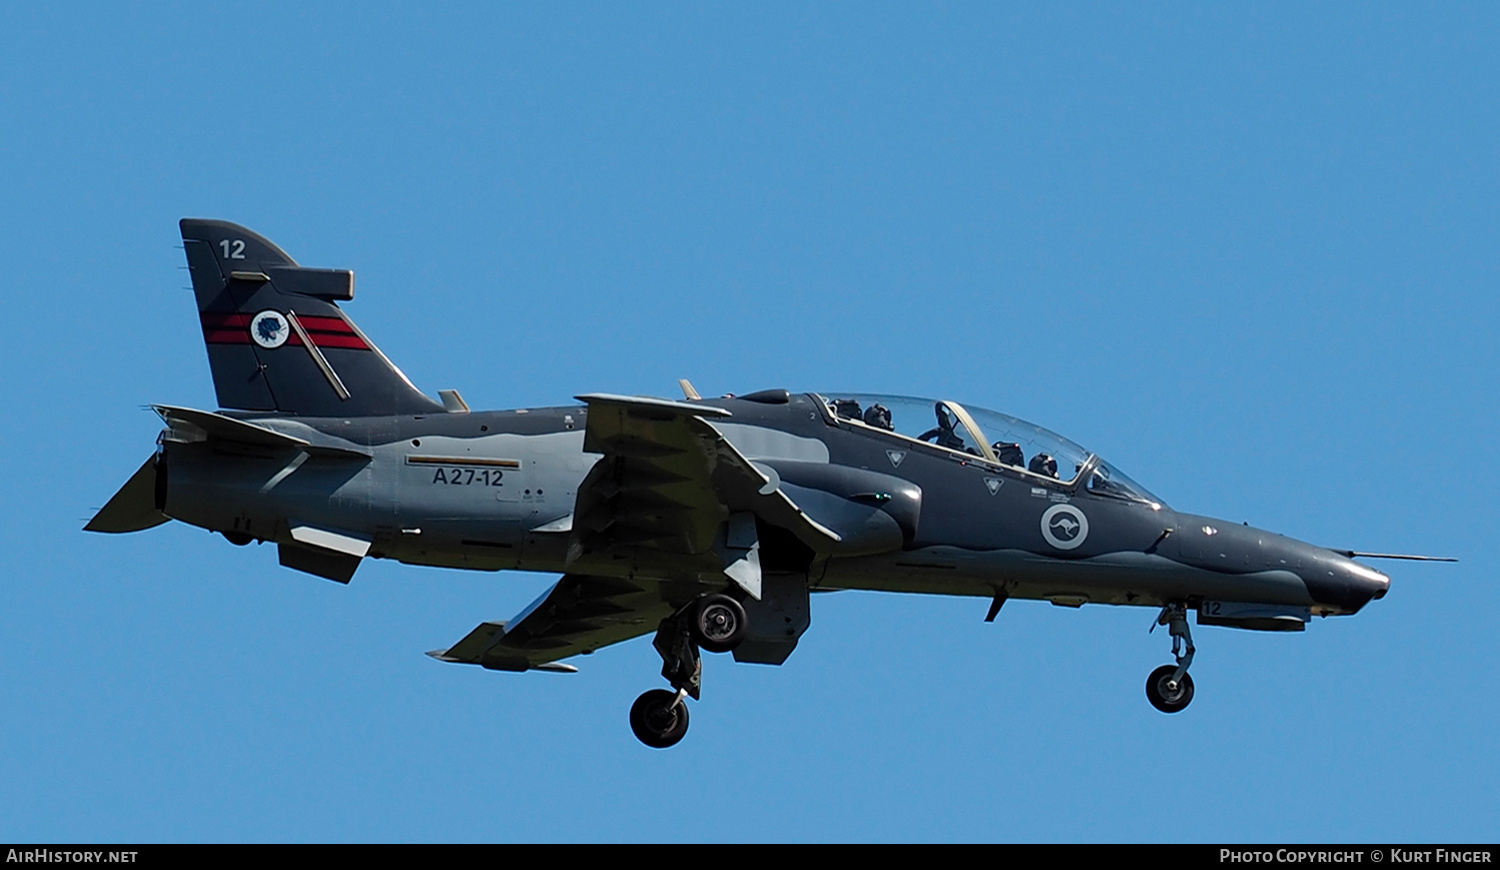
(1247, 253)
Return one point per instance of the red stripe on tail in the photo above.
(324, 331)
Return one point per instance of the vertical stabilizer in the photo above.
(277, 341)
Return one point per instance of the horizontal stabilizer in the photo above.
(133, 508)
(192, 425)
(203, 425)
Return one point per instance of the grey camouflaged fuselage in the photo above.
(496, 490)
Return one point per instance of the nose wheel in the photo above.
(1167, 694)
(1169, 688)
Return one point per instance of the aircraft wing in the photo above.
(578, 615)
(667, 486)
(670, 486)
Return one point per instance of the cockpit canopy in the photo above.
(991, 437)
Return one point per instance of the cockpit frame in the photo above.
(975, 432)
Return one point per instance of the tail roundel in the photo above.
(277, 341)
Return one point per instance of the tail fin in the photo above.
(276, 340)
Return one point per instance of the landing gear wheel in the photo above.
(659, 718)
(1161, 694)
(719, 623)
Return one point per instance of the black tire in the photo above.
(719, 623)
(657, 719)
(1161, 695)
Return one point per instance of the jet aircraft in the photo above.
(705, 522)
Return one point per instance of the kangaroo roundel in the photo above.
(269, 329)
(1064, 526)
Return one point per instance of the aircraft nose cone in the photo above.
(1345, 583)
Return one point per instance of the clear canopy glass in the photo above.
(988, 436)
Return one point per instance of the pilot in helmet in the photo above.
(1044, 465)
(1009, 453)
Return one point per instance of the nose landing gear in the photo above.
(716, 623)
(1169, 688)
(1167, 694)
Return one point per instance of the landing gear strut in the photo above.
(1169, 688)
(716, 623)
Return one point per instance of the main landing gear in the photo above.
(1169, 688)
(659, 718)
(716, 623)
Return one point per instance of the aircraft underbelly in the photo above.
(1117, 578)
